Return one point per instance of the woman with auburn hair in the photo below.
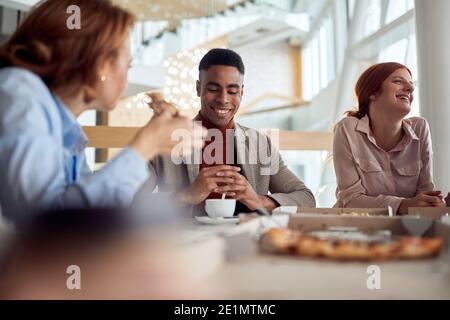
(381, 158)
(49, 75)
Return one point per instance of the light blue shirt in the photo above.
(42, 160)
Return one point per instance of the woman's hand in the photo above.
(422, 199)
(162, 134)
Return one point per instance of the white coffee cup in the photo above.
(220, 208)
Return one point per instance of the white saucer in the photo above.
(208, 220)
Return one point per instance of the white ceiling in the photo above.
(262, 32)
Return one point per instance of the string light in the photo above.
(181, 74)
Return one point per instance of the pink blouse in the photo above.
(369, 177)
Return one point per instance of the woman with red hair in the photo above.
(50, 73)
(380, 157)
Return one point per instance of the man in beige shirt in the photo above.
(239, 162)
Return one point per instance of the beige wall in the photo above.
(269, 72)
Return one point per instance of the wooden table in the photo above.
(262, 276)
(209, 262)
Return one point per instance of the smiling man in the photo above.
(236, 161)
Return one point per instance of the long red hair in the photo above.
(370, 82)
(63, 57)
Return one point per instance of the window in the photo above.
(405, 52)
(373, 16)
(307, 73)
(350, 8)
(306, 165)
(397, 8)
(316, 170)
(318, 59)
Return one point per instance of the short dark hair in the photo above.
(221, 57)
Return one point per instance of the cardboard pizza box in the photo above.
(428, 212)
(399, 225)
(338, 211)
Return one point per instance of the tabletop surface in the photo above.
(255, 275)
(225, 262)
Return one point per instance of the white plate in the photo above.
(208, 220)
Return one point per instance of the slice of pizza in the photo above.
(383, 250)
(417, 247)
(157, 103)
(312, 247)
(283, 240)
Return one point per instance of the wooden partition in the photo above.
(118, 137)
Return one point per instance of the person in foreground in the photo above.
(49, 75)
(232, 162)
(381, 158)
